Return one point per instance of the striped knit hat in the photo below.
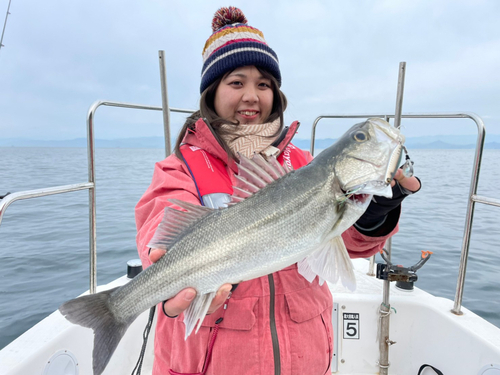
(234, 44)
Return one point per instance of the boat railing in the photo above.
(473, 197)
(89, 185)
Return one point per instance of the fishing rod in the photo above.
(5, 24)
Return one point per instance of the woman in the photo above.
(279, 323)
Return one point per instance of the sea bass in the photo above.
(276, 218)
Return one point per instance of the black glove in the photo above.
(382, 214)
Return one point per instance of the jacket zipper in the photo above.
(272, 323)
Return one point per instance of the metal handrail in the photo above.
(91, 166)
(90, 185)
(473, 197)
(11, 198)
(486, 200)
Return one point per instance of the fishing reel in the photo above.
(405, 277)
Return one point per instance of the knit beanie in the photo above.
(234, 44)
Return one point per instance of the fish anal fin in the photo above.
(195, 313)
(330, 262)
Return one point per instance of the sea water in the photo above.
(44, 242)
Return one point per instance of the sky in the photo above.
(336, 57)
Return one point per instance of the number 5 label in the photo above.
(351, 325)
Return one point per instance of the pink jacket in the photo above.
(297, 338)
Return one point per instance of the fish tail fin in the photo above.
(93, 311)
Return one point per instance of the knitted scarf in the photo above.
(248, 139)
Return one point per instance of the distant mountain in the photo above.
(439, 145)
(454, 139)
(492, 145)
(434, 142)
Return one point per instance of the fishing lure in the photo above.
(408, 165)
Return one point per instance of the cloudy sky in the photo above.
(336, 57)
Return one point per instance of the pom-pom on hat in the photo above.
(234, 44)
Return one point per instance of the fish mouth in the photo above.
(359, 198)
(362, 194)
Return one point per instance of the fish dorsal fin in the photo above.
(330, 262)
(196, 312)
(271, 165)
(255, 174)
(175, 221)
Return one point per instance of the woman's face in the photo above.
(244, 95)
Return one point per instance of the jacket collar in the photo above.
(203, 137)
(289, 134)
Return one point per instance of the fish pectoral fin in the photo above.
(196, 312)
(330, 262)
(175, 221)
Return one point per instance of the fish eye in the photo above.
(360, 136)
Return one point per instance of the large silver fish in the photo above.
(283, 218)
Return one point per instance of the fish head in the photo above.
(367, 158)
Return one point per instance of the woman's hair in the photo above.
(214, 121)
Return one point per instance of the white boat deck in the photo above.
(423, 327)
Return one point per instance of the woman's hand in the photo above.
(374, 222)
(410, 183)
(181, 301)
